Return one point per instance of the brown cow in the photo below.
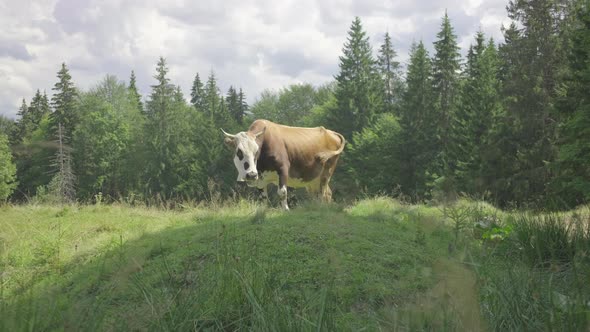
(286, 156)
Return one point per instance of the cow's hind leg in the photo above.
(327, 171)
(282, 191)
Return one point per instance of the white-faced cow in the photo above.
(286, 156)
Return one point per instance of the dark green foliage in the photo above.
(24, 124)
(292, 106)
(64, 105)
(198, 94)
(167, 135)
(416, 144)
(236, 105)
(104, 154)
(572, 184)
(373, 161)
(390, 72)
(445, 89)
(479, 110)
(134, 94)
(7, 169)
(533, 66)
(359, 90)
(7, 126)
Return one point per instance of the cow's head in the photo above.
(246, 153)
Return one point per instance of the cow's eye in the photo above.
(246, 166)
(240, 154)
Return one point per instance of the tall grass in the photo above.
(537, 278)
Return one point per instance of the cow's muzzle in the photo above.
(251, 176)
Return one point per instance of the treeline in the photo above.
(510, 123)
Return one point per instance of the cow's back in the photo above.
(297, 146)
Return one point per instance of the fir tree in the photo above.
(234, 106)
(211, 97)
(416, 147)
(533, 53)
(358, 92)
(7, 170)
(445, 80)
(197, 94)
(480, 106)
(38, 109)
(64, 104)
(135, 96)
(24, 124)
(572, 184)
(243, 107)
(390, 74)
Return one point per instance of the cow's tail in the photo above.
(325, 155)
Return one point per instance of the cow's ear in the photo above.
(260, 132)
(230, 142)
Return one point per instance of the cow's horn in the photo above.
(228, 135)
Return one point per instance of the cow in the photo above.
(286, 156)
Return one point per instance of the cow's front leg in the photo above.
(282, 191)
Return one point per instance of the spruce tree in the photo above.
(389, 69)
(38, 109)
(445, 81)
(416, 145)
(480, 106)
(7, 170)
(211, 97)
(135, 96)
(168, 139)
(198, 94)
(533, 59)
(24, 124)
(243, 107)
(359, 92)
(234, 106)
(64, 105)
(572, 184)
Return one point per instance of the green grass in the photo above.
(375, 265)
(236, 267)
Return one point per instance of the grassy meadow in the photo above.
(377, 264)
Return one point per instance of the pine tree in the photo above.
(416, 149)
(243, 107)
(572, 184)
(135, 96)
(24, 124)
(168, 125)
(7, 170)
(358, 92)
(64, 104)
(389, 69)
(445, 80)
(533, 53)
(234, 106)
(38, 109)
(211, 97)
(480, 106)
(197, 94)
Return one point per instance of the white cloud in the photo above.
(255, 45)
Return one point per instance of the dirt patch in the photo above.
(455, 293)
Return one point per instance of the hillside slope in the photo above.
(375, 265)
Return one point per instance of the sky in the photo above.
(255, 45)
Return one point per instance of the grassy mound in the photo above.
(371, 265)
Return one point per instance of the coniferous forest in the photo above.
(508, 123)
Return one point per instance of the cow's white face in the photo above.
(246, 154)
(245, 157)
